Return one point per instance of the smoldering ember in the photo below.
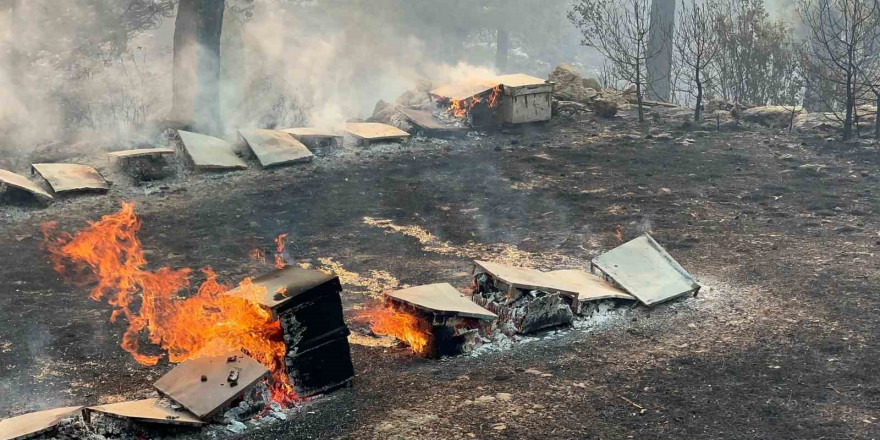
(439, 220)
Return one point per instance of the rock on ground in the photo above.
(776, 116)
(570, 86)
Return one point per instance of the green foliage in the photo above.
(756, 64)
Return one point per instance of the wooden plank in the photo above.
(304, 133)
(29, 425)
(519, 80)
(210, 153)
(578, 284)
(149, 411)
(589, 287)
(441, 298)
(142, 152)
(428, 121)
(67, 177)
(372, 131)
(204, 398)
(275, 148)
(465, 88)
(525, 278)
(23, 183)
(645, 270)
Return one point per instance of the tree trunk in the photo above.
(639, 93)
(502, 49)
(659, 54)
(16, 57)
(196, 80)
(697, 110)
(877, 117)
(848, 119)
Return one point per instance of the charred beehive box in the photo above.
(318, 354)
(309, 307)
(435, 319)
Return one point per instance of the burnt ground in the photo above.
(781, 230)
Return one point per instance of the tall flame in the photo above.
(388, 321)
(207, 323)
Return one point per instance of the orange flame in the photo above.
(495, 97)
(208, 323)
(389, 321)
(279, 251)
(618, 232)
(461, 108)
(257, 254)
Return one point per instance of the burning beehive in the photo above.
(308, 306)
(510, 99)
(434, 320)
(307, 345)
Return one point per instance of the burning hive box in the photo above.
(435, 320)
(530, 300)
(525, 99)
(309, 307)
(506, 99)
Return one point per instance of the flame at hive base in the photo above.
(386, 320)
(208, 323)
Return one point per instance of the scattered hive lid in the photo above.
(68, 177)
(205, 398)
(142, 152)
(573, 282)
(441, 298)
(150, 411)
(274, 148)
(525, 278)
(374, 131)
(588, 286)
(23, 183)
(29, 425)
(465, 88)
(427, 120)
(292, 281)
(519, 80)
(210, 153)
(312, 133)
(644, 269)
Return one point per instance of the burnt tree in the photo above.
(696, 45)
(844, 37)
(196, 81)
(619, 30)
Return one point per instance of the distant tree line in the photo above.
(733, 50)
